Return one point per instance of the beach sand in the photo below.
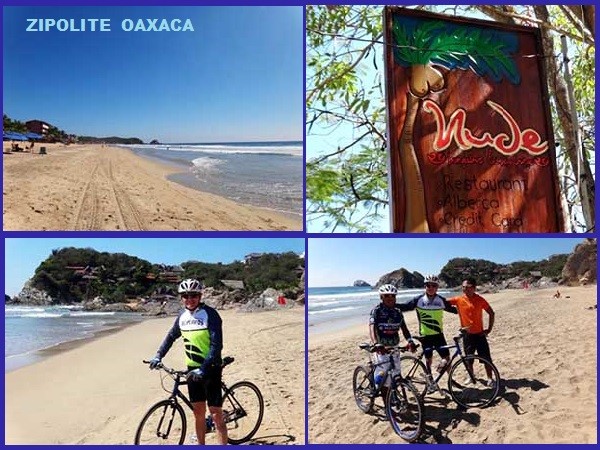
(545, 350)
(97, 393)
(92, 187)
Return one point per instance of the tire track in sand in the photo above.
(128, 214)
(86, 216)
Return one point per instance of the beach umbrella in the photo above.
(33, 136)
(13, 136)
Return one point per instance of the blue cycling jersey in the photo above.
(387, 322)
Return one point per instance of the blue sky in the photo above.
(22, 256)
(339, 262)
(237, 77)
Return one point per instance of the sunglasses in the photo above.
(184, 296)
(430, 285)
(465, 286)
(388, 295)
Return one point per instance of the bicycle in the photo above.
(403, 405)
(468, 384)
(165, 422)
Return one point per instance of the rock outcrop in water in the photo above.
(31, 296)
(402, 278)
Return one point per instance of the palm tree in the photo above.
(419, 44)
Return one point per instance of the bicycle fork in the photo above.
(160, 424)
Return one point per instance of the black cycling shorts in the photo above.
(477, 343)
(208, 390)
(434, 340)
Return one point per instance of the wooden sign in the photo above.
(469, 132)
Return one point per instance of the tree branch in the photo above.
(328, 80)
(340, 150)
(502, 16)
(586, 14)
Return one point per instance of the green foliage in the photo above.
(347, 187)
(457, 269)
(112, 275)
(9, 124)
(117, 276)
(277, 271)
(110, 140)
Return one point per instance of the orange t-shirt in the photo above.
(470, 311)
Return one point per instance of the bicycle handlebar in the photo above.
(461, 334)
(372, 348)
(160, 365)
(182, 373)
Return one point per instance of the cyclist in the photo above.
(384, 322)
(201, 328)
(470, 311)
(430, 308)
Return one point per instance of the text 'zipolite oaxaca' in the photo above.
(82, 25)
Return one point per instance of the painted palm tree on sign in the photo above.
(420, 45)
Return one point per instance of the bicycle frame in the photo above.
(176, 393)
(392, 370)
(458, 352)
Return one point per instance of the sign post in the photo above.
(470, 140)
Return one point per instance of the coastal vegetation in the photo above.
(455, 270)
(76, 275)
(54, 134)
(485, 272)
(109, 140)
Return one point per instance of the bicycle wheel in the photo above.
(404, 409)
(414, 370)
(163, 424)
(243, 408)
(469, 385)
(363, 389)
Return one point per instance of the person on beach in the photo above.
(470, 311)
(202, 331)
(385, 320)
(430, 308)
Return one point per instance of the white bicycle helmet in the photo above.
(190, 286)
(432, 279)
(388, 289)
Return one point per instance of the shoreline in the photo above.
(327, 330)
(99, 391)
(182, 175)
(92, 187)
(186, 179)
(35, 356)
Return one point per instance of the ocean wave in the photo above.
(312, 303)
(325, 297)
(91, 313)
(332, 310)
(206, 163)
(19, 309)
(295, 150)
(44, 315)
(321, 298)
(39, 313)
